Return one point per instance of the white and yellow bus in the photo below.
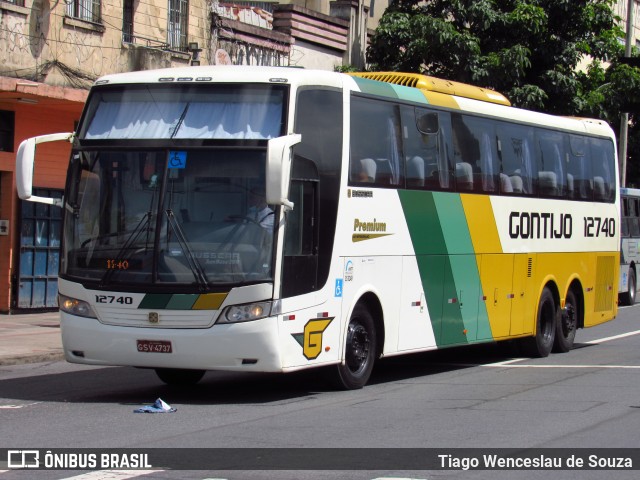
(273, 219)
(629, 244)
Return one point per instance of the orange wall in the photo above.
(50, 172)
(51, 158)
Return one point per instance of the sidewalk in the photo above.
(30, 338)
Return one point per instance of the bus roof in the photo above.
(224, 73)
(439, 85)
(408, 86)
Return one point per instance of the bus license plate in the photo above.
(154, 346)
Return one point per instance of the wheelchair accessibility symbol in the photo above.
(177, 159)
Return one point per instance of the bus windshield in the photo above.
(189, 111)
(188, 217)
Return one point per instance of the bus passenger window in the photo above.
(426, 165)
(578, 169)
(551, 177)
(624, 227)
(602, 156)
(375, 136)
(475, 154)
(515, 155)
(634, 218)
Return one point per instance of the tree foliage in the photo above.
(555, 56)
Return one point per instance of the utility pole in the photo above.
(624, 122)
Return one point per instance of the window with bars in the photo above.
(88, 10)
(17, 3)
(127, 21)
(177, 28)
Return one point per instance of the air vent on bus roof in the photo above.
(433, 84)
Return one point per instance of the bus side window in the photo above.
(475, 153)
(634, 218)
(578, 169)
(551, 176)
(624, 227)
(376, 135)
(426, 165)
(603, 166)
(514, 147)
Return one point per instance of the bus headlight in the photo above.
(245, 313)
(75, 306)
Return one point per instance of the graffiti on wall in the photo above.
(46, 47)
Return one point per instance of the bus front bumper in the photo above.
(248, 346)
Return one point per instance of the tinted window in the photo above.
(376, 143)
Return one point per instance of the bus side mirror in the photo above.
(279, 169)
(25, 160)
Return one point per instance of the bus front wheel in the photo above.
(179, 376)
(541, 343)
(360, 350)
(629, 297)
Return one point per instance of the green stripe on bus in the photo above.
(155, 300)
(464, 267)
(422, 219)
(448, 266)
(429, 244)
(410, 94)
(374, 87)
(182, 301)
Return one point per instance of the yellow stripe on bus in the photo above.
(482, 224)
(209, 301)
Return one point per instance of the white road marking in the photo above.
(396, 478)
(112, 474)
(513, 363)
(559, 366)
(615, 337)
(7, 407)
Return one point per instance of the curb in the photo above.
(31, 358)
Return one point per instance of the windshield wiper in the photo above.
(194, 265)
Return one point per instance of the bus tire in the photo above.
(629, 297)
(541, 343)
(567, 325)
(179, 376)
(360, 350)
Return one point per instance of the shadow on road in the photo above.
(127, 385)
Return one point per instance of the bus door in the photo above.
(300, 266)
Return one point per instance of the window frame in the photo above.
(78, 10)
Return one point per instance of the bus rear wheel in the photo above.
(567, 325)
(360, 350)
(179, 376)
(541, 343)
(629, 297)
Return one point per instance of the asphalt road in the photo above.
(483, 398)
